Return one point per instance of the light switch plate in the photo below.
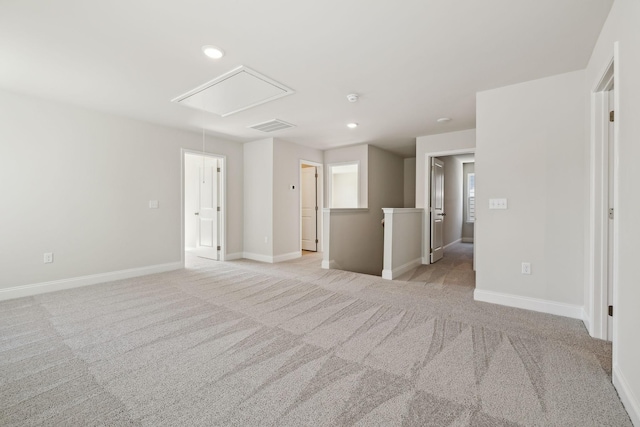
(497, 203)
(154, 204)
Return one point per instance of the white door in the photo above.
(610, 235)
(309, 195)
(437, 208)
(208, 212)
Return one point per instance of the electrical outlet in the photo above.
(266, 239)
(497, 203)
(48, 257)
(526, 268)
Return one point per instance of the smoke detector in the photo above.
(352, 97)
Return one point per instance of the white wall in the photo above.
(467, 227)
(78, 182)
(410, 182)
(452, 230)
(530, 146)
(356, 153)
(258, 199)
(286, 202)
(622, 27)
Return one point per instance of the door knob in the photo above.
(442, 214)
(197, 213)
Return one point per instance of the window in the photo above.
(343, 185)
(471, 197)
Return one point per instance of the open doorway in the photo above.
(203, 200)
(310, 207)
(449, 223)
(451, 206)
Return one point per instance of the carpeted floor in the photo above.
(248, 344)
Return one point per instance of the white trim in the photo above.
(93, 279)
(271, 259)
(629, 400)
(527, 303)
(402, 210)
(257, 257)
(467, 240)
(426, 227)
(287, 257)
(344, 210)
(392, 274)
(452, 243)
(235, 255)
(330, 182)
(240, 69)
(329, 265)
(319, 201)
(222, 239)
(586, 319)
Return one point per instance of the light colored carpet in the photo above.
(248, 344)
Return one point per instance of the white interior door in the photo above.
(610, 234)
(437, 208)
(309, 195)
(208, 210)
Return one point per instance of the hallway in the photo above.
(453, 272)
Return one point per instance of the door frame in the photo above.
(426, 219)
(222, 235)
(319, 188)
(596, 298)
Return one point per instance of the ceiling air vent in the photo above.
(271, 125)
(232, 92)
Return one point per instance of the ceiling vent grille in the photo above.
(271, 125)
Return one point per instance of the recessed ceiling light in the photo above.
(352, 125)
(213, 52)
(443, 120)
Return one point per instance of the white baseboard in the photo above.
(586, 321)
(452, 243)
(287, 257)
(392, 274)
(535, 304)
(425, 261)
(257, 257)
(231, 257)
(271, 259)
(329, 265)
(467, 240)
(76, 282)
(629, 400)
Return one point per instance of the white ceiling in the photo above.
(411, 61)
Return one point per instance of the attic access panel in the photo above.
(232, 92)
